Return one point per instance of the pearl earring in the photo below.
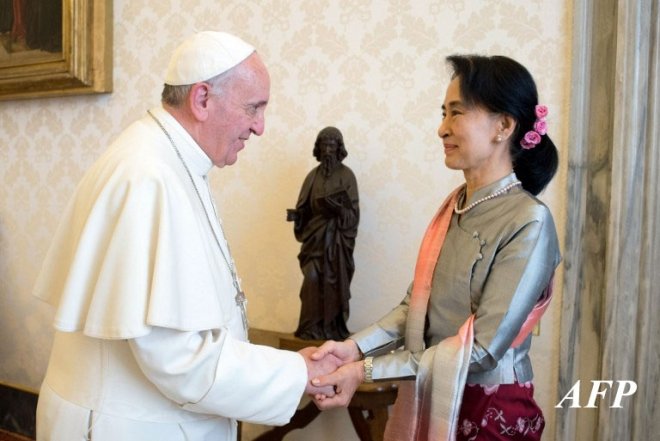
(498, 138)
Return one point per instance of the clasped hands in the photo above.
(334, 373)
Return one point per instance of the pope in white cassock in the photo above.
(151, 334)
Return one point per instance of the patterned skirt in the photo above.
(500, 412)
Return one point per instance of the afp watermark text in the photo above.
(599, 388)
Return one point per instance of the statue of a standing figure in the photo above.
(325, 222)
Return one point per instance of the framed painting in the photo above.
(55, 48)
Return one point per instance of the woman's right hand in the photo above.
(347, 351)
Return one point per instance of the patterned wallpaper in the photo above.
(372, 68)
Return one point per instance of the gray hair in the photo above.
(175, 96)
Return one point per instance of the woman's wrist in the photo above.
(367, 370)
(357, 353)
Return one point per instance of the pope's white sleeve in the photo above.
(211, 372)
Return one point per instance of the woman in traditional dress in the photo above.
(483, 276)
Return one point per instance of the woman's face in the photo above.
(469, 134)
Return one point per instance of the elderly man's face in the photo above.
(238, 112)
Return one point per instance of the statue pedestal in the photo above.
(367, 409)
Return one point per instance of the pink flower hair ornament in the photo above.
(533, 137)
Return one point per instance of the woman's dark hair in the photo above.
(334, 134)
(502, 85)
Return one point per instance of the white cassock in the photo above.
(150, 343)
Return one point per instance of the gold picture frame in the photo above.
(82, 66)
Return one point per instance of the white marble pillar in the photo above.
(610, 329)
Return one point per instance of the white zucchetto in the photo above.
(205, 55)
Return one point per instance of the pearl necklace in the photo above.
(486, 198)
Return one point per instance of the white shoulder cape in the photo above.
(134, 249)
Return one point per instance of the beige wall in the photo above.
(372, 68)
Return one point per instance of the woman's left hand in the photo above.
(346, 380)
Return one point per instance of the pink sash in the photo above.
(427, 408)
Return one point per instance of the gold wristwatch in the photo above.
(368, 369)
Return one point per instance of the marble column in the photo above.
(611, 286)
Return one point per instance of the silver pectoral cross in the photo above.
(241, 302)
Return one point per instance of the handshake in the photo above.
(334, 371)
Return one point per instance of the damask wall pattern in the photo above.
(374, 69)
